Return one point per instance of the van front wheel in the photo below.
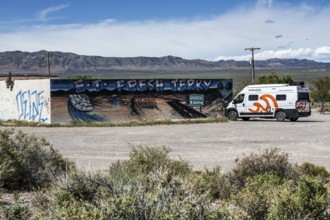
(280, 116)
(232, 116)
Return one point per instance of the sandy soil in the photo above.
(203, 145)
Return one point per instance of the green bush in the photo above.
(212, 182)
(308, 199)
(14, 212)
(270, 161)
(270, 197)
(149, 185)
(147, 159)
(313, 171)
(27, 162)
(127, 197)
(256, 196)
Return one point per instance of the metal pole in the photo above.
(48, 63)
(252, 49)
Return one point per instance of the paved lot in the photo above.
(203, 145)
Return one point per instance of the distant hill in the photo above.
(19, 62)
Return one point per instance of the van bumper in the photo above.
(293, 113)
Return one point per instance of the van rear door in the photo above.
(303, 103)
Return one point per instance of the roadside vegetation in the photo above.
(321, 92)
(152, 185)
(274, 78)
(18, 123)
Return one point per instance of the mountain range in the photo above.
(19, 62)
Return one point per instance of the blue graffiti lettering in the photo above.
(30, 105)
(159, 85)
(142, 86)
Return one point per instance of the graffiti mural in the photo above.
(124, 100)
(30, 105)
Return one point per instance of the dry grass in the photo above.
(17, 123)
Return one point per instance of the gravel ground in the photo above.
(203, 145)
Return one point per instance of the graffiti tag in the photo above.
(30, 105)
(146, 85)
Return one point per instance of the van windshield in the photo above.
(303, 96)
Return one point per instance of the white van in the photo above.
(280, 101)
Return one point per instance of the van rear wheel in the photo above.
(280, 116)
(232, 116)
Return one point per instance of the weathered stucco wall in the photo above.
(28, 100)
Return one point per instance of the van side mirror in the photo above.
(234, 101)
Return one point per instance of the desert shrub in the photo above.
(312, 198)
(27, 162)
(270, 161)
(308, 199)
(149, 185)
(146, 159)
(127, 197)
(256, 196)
(270, 197)
(212, 182)
(14, 212)
(313, 171)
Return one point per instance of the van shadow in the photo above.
(274, 120)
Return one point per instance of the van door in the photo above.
(251, 99)
(240, 104)
(260, 105)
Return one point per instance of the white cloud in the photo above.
(44, 14)
(222, 37)
(264, 3)
(299, 53)
(322, 52)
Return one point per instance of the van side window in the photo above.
(280, 97)
(239, 98)
(253, 97)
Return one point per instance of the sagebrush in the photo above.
(153, 185)
(28, 162)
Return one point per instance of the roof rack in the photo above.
(298, 83)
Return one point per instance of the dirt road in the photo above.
(203, 145)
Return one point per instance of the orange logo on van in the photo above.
(266, 107)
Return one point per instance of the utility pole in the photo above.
(252, 49)
(48, 62)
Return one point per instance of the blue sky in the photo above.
(192, 29)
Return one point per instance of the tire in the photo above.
(294, 119)
(246, 119)
(280, 116)
(232, 116)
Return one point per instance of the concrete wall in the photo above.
(28, 100)
(64, 101)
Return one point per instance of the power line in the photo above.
(252, 49)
